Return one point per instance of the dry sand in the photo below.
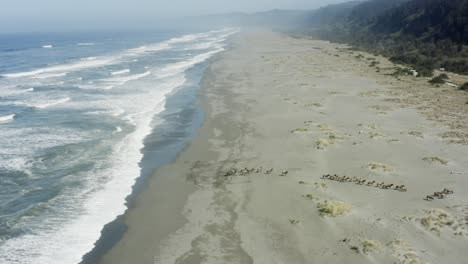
(310, 108)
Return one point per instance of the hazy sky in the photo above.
(32, 15)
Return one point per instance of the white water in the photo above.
(94, 62)
(50, 75)
(80, 65)
(67, 243)
(120, 72)
(8, 118)
(49, 103)
(87, 44)
(116, 81)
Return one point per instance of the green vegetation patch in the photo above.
(464, 87)
(299, 130)
(333, 208)
(401, 72)
(439, 79)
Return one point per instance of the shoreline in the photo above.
(161, 187)
(158, 152)
(307, 108)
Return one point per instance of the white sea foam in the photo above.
(50, 75)
(7, 118)
(205, 45)
(188, 38)
(150, 48)
(179, 67)
(110, 83)
(59, 69)
(93, 62)
(13, 90)
(117, 112)
(49, 103)
(67, 241)
(170, 43)
(48, 46)
(86, 44)
(209, 42)
(116, 81)
(212, 42)
(120, 72)
(125, 79)
(15, 164)
(18, 143)
(68, 244)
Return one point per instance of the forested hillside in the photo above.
(430, 20)
(426, 34)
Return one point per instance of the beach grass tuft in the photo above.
(380, 166)
(333, 208)
(370, 246)
(464, 87)
(322, 143)
(299, 130)
(439, 79)
(436, 219)
(435, 160)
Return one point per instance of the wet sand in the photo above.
(305, 109)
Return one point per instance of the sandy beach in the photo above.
(282, 112)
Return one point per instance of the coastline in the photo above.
(309, 108)
(176, 126)
(170, 187)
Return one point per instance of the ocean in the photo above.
(82, 118)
